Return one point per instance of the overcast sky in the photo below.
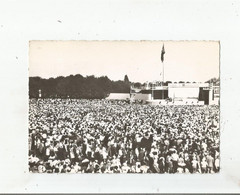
(140, 60)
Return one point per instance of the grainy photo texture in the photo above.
(124, 107)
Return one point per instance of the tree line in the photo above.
(77, 86)
(89, 87)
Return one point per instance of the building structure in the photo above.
(177, 94)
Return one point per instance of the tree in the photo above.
(137, 85)
(34, 86)
(77, 86)
(126, 80)
(213, 80)
(168, 82)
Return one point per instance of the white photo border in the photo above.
(23, 21)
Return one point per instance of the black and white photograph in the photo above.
(140, 107)
(123, 96)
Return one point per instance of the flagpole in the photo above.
(162, 59)
(163, 71)
(162, 79)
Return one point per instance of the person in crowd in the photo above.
(106, 136)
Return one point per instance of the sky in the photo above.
(141, 60)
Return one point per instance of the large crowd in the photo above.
(104, 136)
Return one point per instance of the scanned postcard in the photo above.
(124, 107)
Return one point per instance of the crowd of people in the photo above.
(104, 136)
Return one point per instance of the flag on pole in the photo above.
(162, 54)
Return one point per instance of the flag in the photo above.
(162, 54)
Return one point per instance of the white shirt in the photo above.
(175, 157)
